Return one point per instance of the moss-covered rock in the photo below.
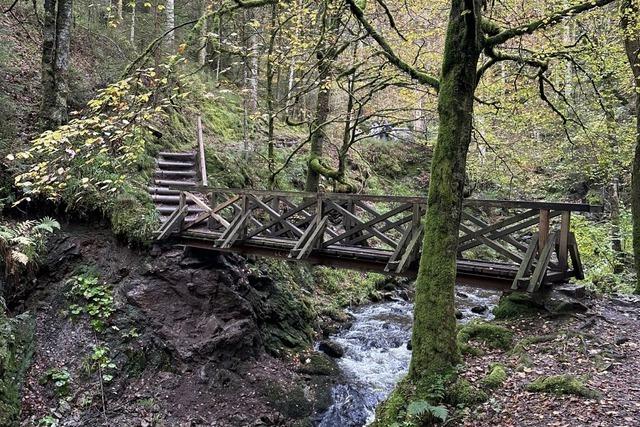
(496, 377)
(462, 392)
(16, 349)
(562, 384)
(492, 336)
(318, 364)
(290, 401)
(515, 304)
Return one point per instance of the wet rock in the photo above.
(459, 315)
(572, 290)
(331, 348)
(622, 340)
(317, 364)
(560, 303)
(626, 300)
(479, 309)
(409, 345)
(461, 294)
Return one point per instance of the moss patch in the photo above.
(495, 378)
(492, 336)
(465, 394)
(515, 304)
(291, 402)
(562, 384)
(318, 364)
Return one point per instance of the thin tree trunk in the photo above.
(434, 327)
(270, 94)
(119, 10)
(252, 62)
(202, 53)
(629, 22)
(170, 23)
(616, 241)
(132, 29)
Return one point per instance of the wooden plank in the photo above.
(543, 262)
(312, 242)
(494, 227)
(399, 249)
(234, 232)
(277, 216)
(173, 222)
(382, 229)
(563, 250)
(525, 265)
(372, 211)
(543, 228)
(280, 219)
(365, 225)
(206, 207)
(410, 253)
(495, 246)
(576, 262)
(497, 235)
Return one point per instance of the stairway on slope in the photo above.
(174, 169)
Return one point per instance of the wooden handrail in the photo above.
(513, 204)
(202, 166)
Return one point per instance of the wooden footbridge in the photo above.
(503, 243)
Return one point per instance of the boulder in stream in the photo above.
(331, 348)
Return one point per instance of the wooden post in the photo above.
(563, 252)
(543, 228)
(202, 167)
(245, 209)
(319, 215)
(181, 205)
(212, 204)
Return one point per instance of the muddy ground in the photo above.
(193, 342)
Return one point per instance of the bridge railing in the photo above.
(527, 242)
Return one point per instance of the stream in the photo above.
(376, 355)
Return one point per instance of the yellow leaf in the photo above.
(10, 157)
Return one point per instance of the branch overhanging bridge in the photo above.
(503, 244)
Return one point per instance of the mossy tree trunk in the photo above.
(55, 62)
(631, 28)
(434, 329)
(325, 55)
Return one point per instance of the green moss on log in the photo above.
(514, 305)
(492, 336)
(562, 384)
(16, 349)
(496, 377)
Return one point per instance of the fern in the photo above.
(420, 408)
(21, 245)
